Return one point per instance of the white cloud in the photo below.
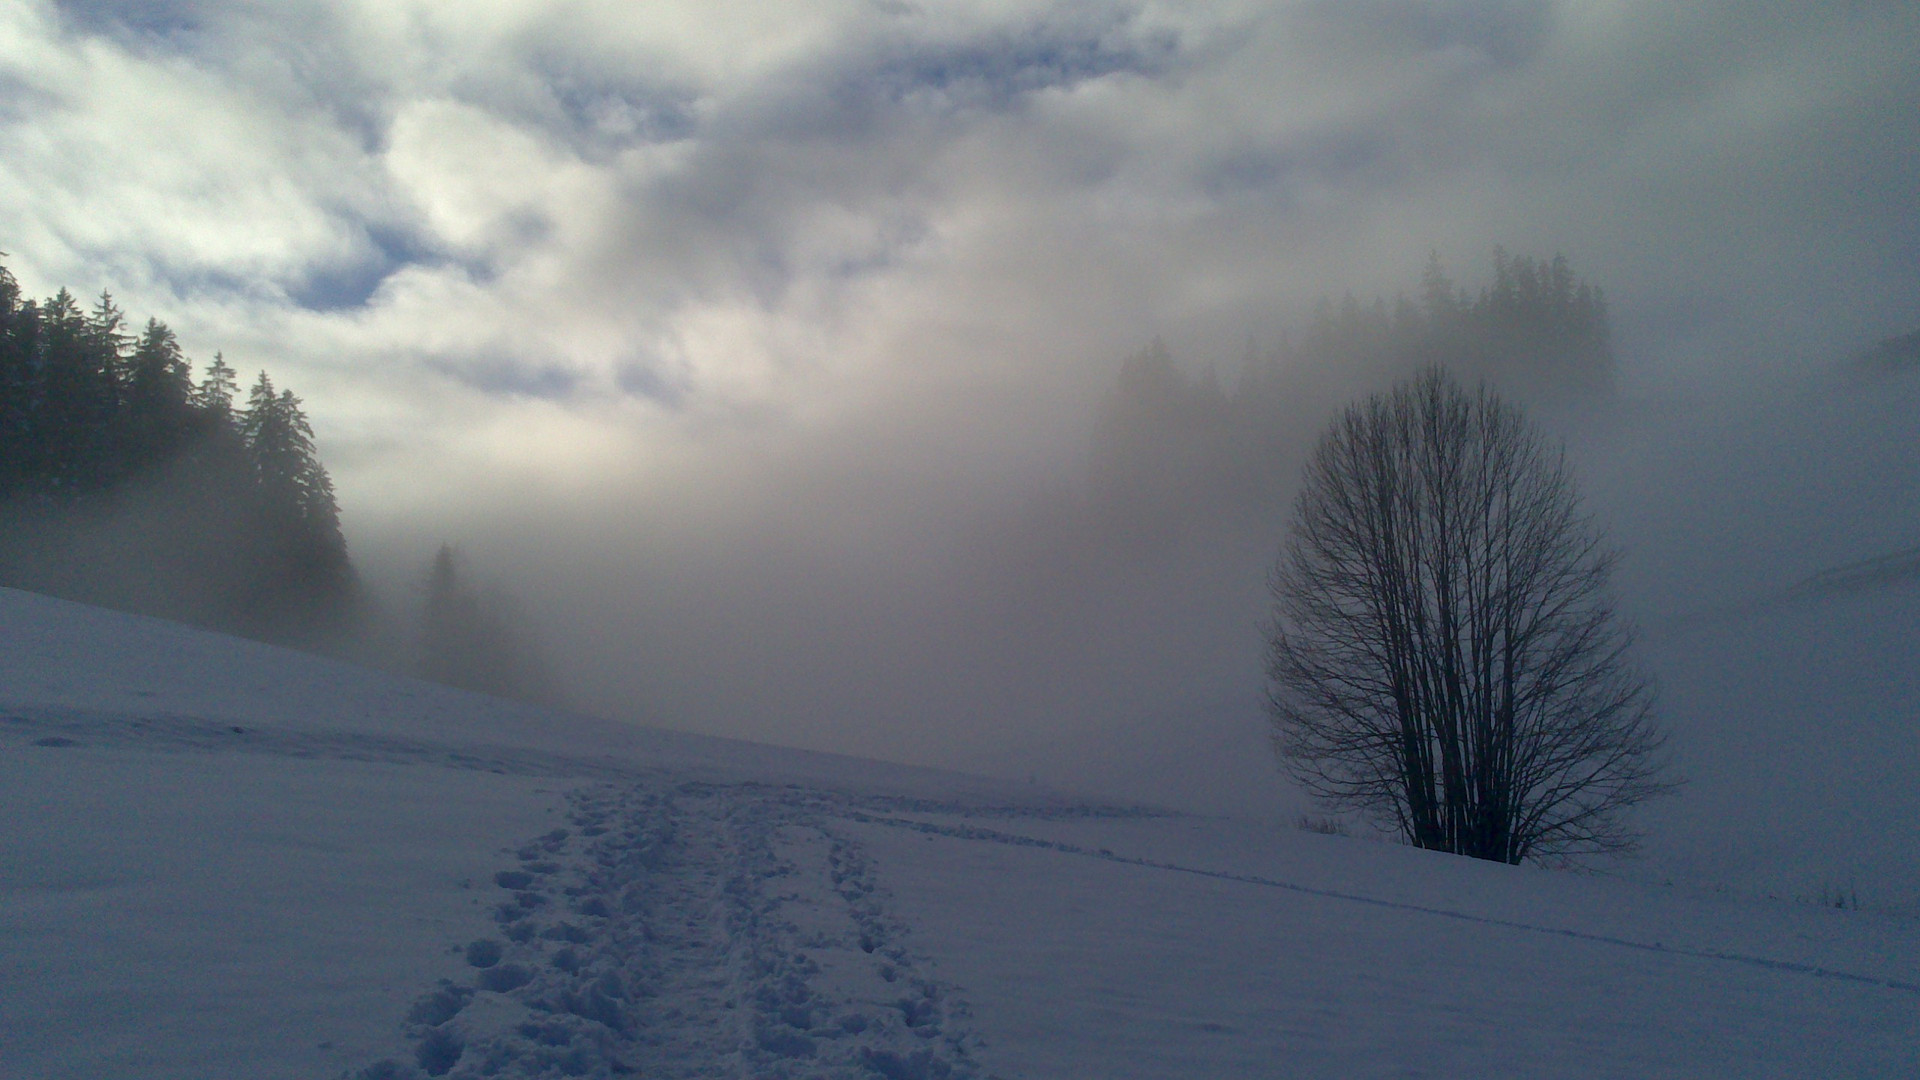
(724, 190)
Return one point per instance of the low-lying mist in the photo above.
(1092, 616)
(1065, 581)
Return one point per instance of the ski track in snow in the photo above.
(971, 832)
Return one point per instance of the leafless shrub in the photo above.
(1444, 655)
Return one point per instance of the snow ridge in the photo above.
(174, 733)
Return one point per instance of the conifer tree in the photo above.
(70, 432)
(19, 346)
(106, 337)
(159, 394)
(214, 396)
(122, 482)
(295, 494)
(468, 639)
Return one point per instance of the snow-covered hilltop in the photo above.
(223, 859)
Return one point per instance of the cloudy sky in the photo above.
(733, 327)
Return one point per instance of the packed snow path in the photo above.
(690, 930)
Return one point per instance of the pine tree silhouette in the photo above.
(124, 483)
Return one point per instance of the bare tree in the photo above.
(1444, 654)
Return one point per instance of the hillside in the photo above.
(224, 859)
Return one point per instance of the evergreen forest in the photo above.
(125, 482)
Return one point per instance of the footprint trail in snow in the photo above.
(691, 930)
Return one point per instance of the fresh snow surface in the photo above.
(220, 859)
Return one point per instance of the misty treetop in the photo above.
(479, 640)
(124, 482)
(1173, 447)
(1535, 330)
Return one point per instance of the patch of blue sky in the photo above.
(149, 19)
(1340, 157)
(637, 378)
(998, 69)
(315, 64)
(898, 237)
(22, 102)
(196, 282)
(352, 282)
(858, 94)
(1508, 33)
(862, 264)
(592, 111)
(503, 376)
(624, 111)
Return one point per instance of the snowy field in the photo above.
(219, 859)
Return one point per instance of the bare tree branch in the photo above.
(1444, 654)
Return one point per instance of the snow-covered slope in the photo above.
(221, 859)
(1771, 567)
